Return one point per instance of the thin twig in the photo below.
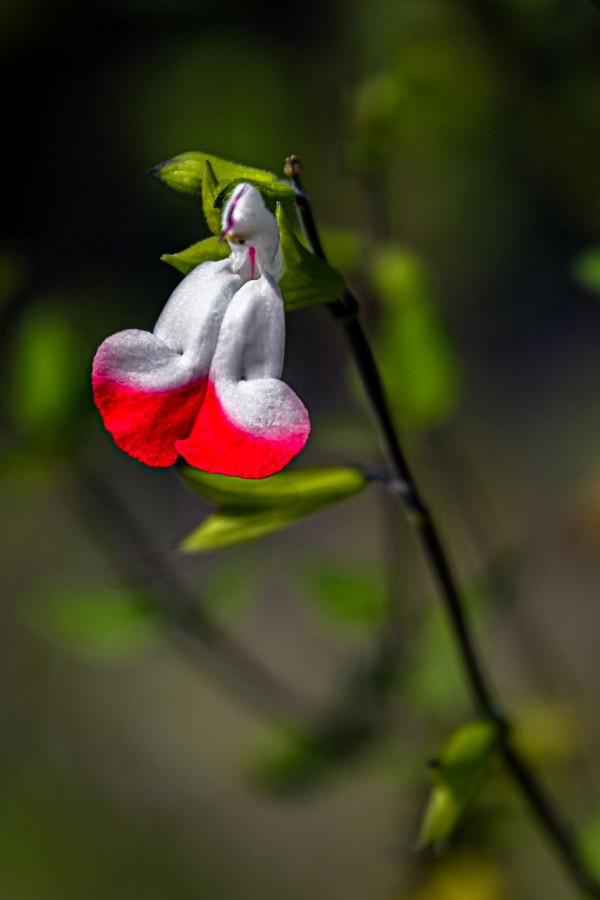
(542, 806)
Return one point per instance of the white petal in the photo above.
(252, 336)
(190, 322)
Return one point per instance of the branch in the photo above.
(541, 805)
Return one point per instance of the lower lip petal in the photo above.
(220, 443)
(147, 424)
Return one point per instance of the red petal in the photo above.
(217, 445)
(146, 424)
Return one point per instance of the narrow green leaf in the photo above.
(253, 509)
(587, 269)
(315, 484)
(419, 363)
(210, 191)
(96, 622)
(230, 526)
(455, 777)
(185, 172)
(306, 279)
(188, 259)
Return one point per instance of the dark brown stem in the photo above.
(542, 806)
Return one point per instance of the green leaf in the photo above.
(587, 269)
(230, 526)
(419, 363)
(346, 594)
(96, 622)
(210, 191)
(188, 259)
(185, 172)
(251, 509)
(306, 279)
(316, 484)
(455, 777)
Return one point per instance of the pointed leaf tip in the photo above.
(209, 249)
(250, 509)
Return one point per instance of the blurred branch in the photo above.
(338, 733)
(183, 610)
(345, 310)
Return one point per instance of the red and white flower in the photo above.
(205, 384)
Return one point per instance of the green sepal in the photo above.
(306, 279)
(272, 194)
(188, 259)
(250, 508)
(210, 191)
(455, 777)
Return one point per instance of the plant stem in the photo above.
(346, 310)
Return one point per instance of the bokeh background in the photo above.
(452, 152)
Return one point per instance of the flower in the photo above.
(205, 384)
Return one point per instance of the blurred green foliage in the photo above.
(587, 269)
(346, 595)
(419, 364)
(48, 378)
(455, 776)
(97, 622)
